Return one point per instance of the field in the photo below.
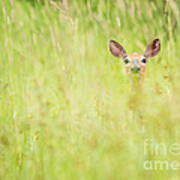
(67, 110)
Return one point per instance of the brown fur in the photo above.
(139, 57)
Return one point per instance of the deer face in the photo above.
(135, 63)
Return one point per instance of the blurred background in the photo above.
(67, 110)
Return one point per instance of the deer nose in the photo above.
(135, 69)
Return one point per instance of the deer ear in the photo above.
(116, 49)
(153, 48)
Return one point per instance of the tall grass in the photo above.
(67, 110)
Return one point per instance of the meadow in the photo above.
(67, 110)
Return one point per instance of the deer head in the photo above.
(135, 63)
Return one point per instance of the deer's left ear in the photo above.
(116, 49)
(153, 48)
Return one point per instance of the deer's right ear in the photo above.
(153, 48)
(116, 49)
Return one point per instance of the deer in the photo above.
(135, 63)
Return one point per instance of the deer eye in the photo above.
(143, 60)
(126, 61)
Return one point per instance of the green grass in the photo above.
(67, 110)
